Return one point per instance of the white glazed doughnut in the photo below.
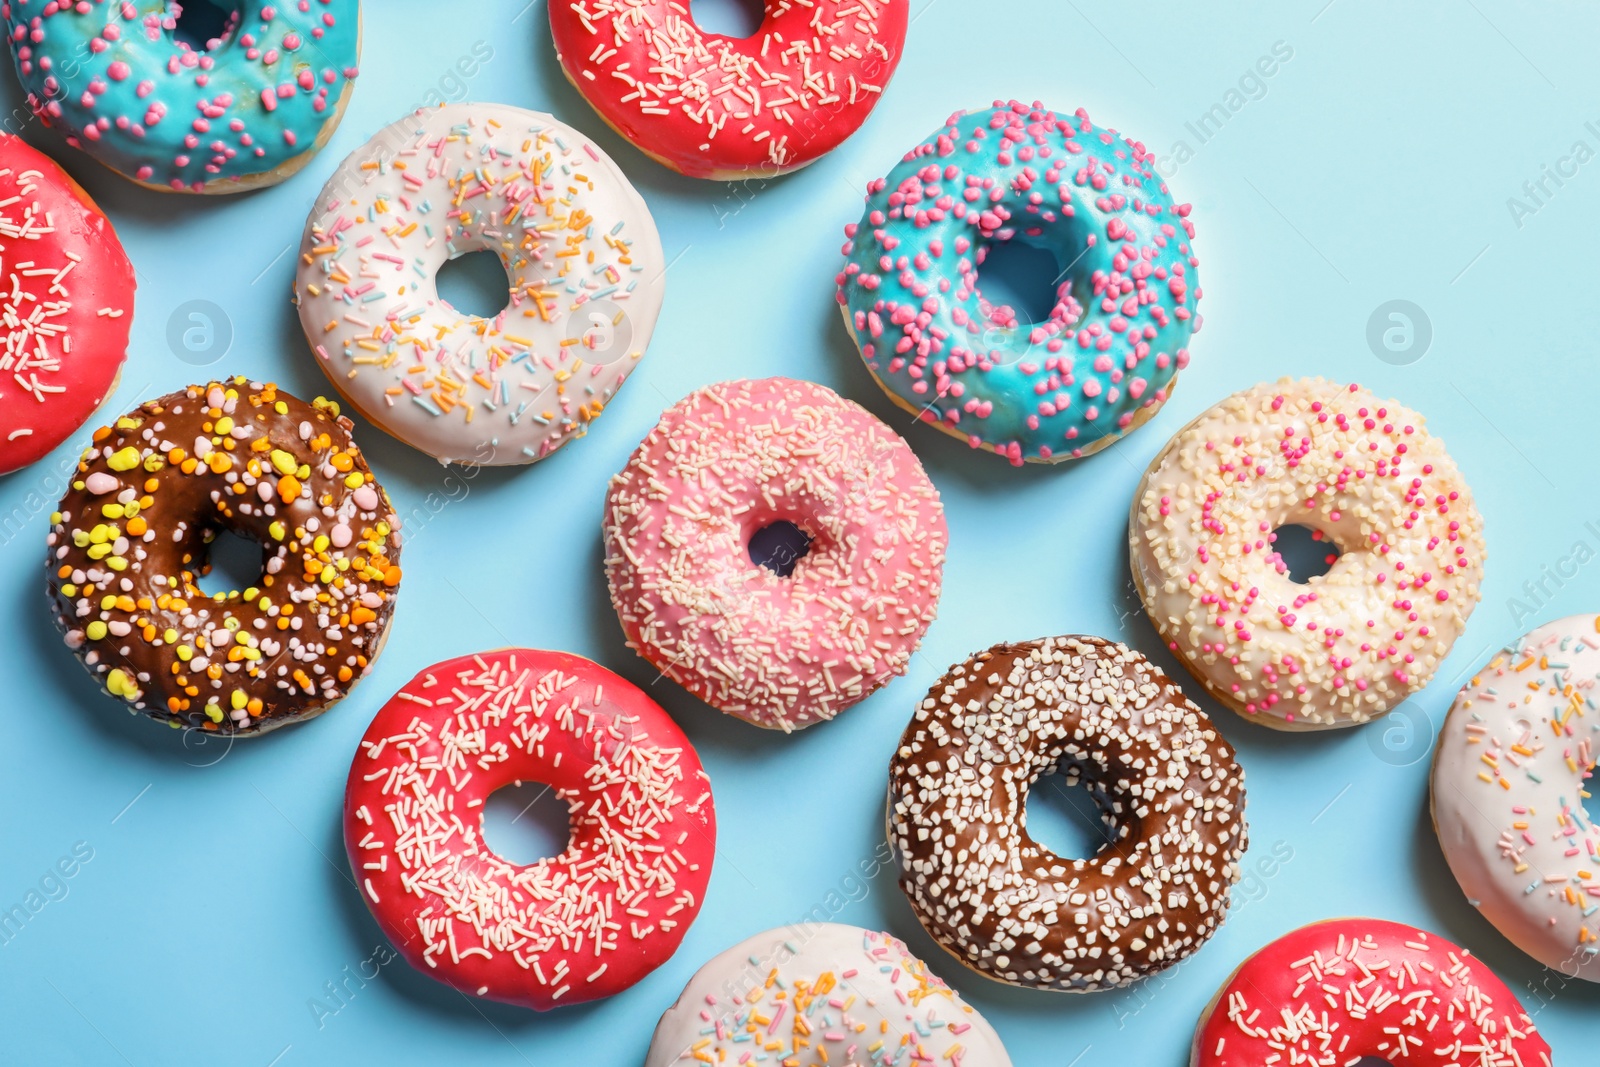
(1351, 644)
(1509, 780)
(809, 995)
(582, 258)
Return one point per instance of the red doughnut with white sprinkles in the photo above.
(580, 926)
(66, 305)
(1334, 993)
(712, 106)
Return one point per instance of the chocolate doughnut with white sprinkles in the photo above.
(1164, 779)
(132, 538)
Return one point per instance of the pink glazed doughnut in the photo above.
(724, 464)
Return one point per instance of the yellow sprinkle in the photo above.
(121, 685)
(96, 630)
(124, 459)
(283, 462)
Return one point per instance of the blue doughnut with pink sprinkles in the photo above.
(1107, 355)
(245, 109)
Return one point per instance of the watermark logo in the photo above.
(599, 331)
(1399, 332)
(50, 887)
(199, 332)
(1402, 737)
(338, 992)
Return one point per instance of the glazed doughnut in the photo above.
(132, 537)
(1165, 782)
(580, 252)
(245, 112)
(1334, 992)
(823, 994)
(712, 106)
(67, 305)
(723, 464)
(1106, 357)
(1510, 775)
(580, 926)
(1364, 473)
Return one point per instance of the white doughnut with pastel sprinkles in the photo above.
(581, 255)
(1510, 777)
(823, 995)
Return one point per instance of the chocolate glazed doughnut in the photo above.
(1165, 782)
(134, 531)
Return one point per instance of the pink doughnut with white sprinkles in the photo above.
(583, 925)
(1335, 992)
(725, 464)
(1362, 473)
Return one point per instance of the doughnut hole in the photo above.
(1070, 814)
(1022, 281)
(526, 822)
(1306, 553)
(475, 284)
(779, 546)
(1372, 1061)
(1020, 276)
(736, 19)
(205, 25)
(228, 562)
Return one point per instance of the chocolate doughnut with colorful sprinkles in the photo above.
(132, 539)
(585, 924)
(241, 110)
(1107, 355)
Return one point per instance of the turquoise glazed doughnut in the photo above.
(1106, 357)
(247, 111)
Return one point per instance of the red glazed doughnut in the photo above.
(580, 926)
(712, 106)
(66, 302)
(1334, 992)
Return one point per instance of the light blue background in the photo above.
(1377, 165)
